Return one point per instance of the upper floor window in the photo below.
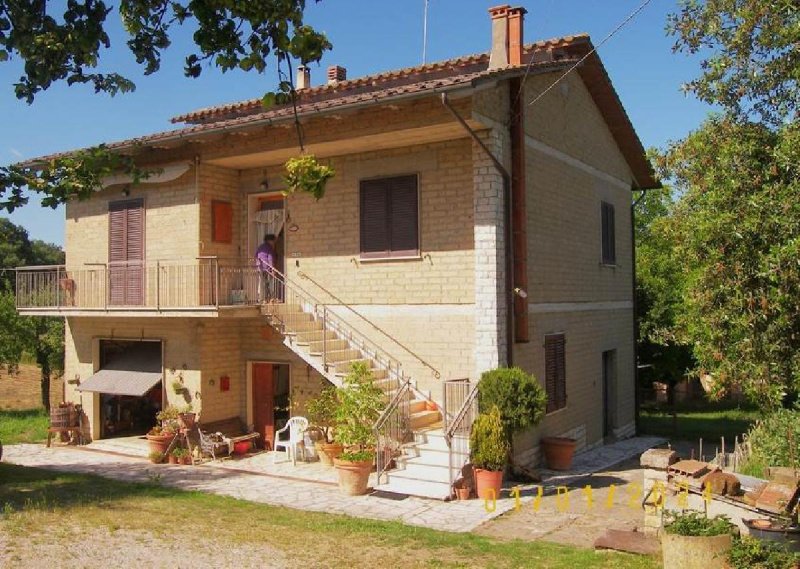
(555, 371)
(389, 217)
(609, 249)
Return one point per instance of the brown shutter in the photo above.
(555, 371)
(126, 252)
(404, 216)
(374, 223)
(222, 221)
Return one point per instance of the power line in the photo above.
(625, 22)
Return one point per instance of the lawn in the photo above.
(43, 510)
(23, 426)
(709, 422)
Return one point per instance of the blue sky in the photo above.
(368, 36)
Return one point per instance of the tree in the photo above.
(753, 67)
(737, 235)
(60, 42)
(41, 337)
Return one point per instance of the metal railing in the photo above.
(393, 429)
(205, 282)
(460, 403)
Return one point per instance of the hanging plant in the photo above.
(305, 174)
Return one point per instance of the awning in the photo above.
(121, 382)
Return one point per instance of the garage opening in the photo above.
(130, 385)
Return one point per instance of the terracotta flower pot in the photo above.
(486, 481)
(462, 493)
(328, 451)
(558, 452)
(173, 459)
(187, 460)
(159, 443)
(186, 420)
(353, 476)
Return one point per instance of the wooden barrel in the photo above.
(63, 416)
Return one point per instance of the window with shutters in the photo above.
(126, 252)
(555, 371)
(609, 250)
(389, 215)
(222, 221)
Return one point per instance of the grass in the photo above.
(708, 421)
(32, 500)
(23, 426)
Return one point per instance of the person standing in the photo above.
(265, 263)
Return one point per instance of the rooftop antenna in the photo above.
(425, 34)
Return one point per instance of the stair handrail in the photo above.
(436, 373)
(382, 461)
(461, 415)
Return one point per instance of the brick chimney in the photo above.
(336, 73)
(303, 78)
(507, 41)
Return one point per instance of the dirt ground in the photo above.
(22, 390)
(573, 520)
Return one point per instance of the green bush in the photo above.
(775, 441)
(518, 395)
(487, 442)
(322, 411)
(360, 405)
(751, 553)
(696, 524)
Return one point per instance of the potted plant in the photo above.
(692, 540)
(558, 452)
(186, 417)
(360, 403)
(748, 552)
(168, 418)
(155, 456)
(304, 173)
(158, 439)
(322, 414)
(489, 449)
(177, 386)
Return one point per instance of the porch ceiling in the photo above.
(366, 143)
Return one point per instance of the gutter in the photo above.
(509, 250)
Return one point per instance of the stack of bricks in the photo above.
(655, 463)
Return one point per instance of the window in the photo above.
(609, 239)
(222, 221)
(126, 252)
(389, 217)
(555, 371)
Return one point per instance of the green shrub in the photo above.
(696, 524)
(518, 395)
(751, 553)
(322, 411)
(775, 441)
(487, 442)
(360, 405)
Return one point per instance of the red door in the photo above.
(264, 402)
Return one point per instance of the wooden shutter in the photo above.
(126, 252)
(555, 371)
(389, 217)
(608, 237)
(222, 221)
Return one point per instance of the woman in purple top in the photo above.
(265, 262)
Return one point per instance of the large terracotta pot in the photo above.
(328, 451)
(558, 452)
(159, 443)
(694, 552)
(187, 420)
(353, 476)
(487, 481)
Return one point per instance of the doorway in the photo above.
(609, 393)
(267, 216)
(270, 399)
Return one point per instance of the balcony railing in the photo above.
(206, 282)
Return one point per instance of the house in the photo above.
(465, 229)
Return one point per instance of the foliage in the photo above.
(752, 64)
(68, 46)
(23, 425)
(488, 442)
(696, 524)
(736, 231)
(321, 411)
(156, 457)
(304, 173)
(360, 405)
(709, 421)
(519, 397)
(775, 441)
(750, 553)
(180, 452)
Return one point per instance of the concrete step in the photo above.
(278, 308)
(423, 488)
(417, 405)
(315, 336)
(430, 438)
(430, 457)
(318, 346)
(424, 472)
(345, 355)
(298, 327)
(386, 383)
(424, 418)
(343, 367)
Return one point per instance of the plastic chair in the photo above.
(296, 427)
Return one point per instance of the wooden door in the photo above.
(126, 252)
(264, 402)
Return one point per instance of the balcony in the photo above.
(205, 287)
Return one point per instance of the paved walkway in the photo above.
(311, 495)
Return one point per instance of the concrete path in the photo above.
(311, 495)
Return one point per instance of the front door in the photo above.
(264, 402)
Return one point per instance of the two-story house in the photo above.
(465, 229)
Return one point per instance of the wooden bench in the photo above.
(233, 430)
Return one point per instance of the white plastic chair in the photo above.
(296, 427)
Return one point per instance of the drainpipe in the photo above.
(509, 249)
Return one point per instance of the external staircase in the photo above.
(415, 455)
